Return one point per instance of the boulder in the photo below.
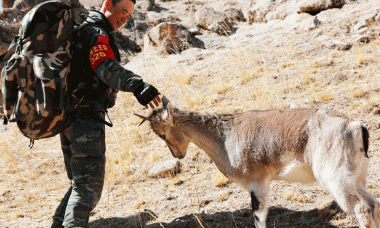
(144, 5)
(315, 6)
(234, 14)
(11, 15)
(339, 45)
(214, 21)
(377, 18)
(257, 14)
(168, 37)
(7, 3)
(365, 21)
(26, 4)
(361, 39)
(310, 24)
(154, 18)
(164, 168)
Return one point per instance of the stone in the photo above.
(7, 3)
(315, 6)
(361, 39)
(377, 18)
(164, 168)
(144, 5)
(311, 23)
(334, 44)
(360, 25)
(214, 21)
(168, 37)
(234, 14)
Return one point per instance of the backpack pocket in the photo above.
(14, 83)
(51, 87)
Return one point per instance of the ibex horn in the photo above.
(142, 117)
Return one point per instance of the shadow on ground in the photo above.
(277, 217)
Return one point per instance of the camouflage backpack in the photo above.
(35, 78)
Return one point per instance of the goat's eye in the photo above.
(162, 136)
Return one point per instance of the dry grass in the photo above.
(257, 75)
(291, 195)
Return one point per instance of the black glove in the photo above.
(145, 93)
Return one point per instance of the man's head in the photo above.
(118, 11)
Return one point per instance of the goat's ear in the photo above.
(165, 101)
(169, 109)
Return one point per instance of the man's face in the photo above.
(118, 14)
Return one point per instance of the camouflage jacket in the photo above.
(96, 62)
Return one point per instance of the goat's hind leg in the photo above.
(372, 203)
(346, 193)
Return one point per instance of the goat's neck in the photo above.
(208, 132)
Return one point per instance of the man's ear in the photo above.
(107, 4)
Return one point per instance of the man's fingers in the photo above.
(158, 98)
(155, 102)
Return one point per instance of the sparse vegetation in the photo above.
(254, 73)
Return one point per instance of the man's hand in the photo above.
(156, 101)
(147, 95)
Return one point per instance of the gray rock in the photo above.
(377, 18)
(165, 168)
(361, 39)
(360, 25)
(234, 14)
(144, 5)
(365, 20)
(334, 44)
(194, 31)
(214, 21)
(154, 18)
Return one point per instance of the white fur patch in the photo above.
(296, 172)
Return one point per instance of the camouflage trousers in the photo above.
(83, 146)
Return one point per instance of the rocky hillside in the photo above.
(220, 56)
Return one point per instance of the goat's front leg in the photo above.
(259, 192)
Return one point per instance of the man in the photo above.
(97, 76)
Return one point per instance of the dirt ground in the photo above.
(260, 66)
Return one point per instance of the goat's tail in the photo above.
(365, 134)
(359, 135)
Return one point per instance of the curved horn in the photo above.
(142, 117)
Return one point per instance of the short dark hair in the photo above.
(114, 2)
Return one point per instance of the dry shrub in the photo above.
(358, 93)
(338, 222)
(306, 78)
(122, 191)
(138, 203)
(219, 87)
(360, 58)
(291, 195)
(249, 75)
(327, 97)
(287, 64)
(194, 102)
(322, 62)
(218, 179)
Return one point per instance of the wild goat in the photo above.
(253, 148)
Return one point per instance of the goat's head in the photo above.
(163, 124)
